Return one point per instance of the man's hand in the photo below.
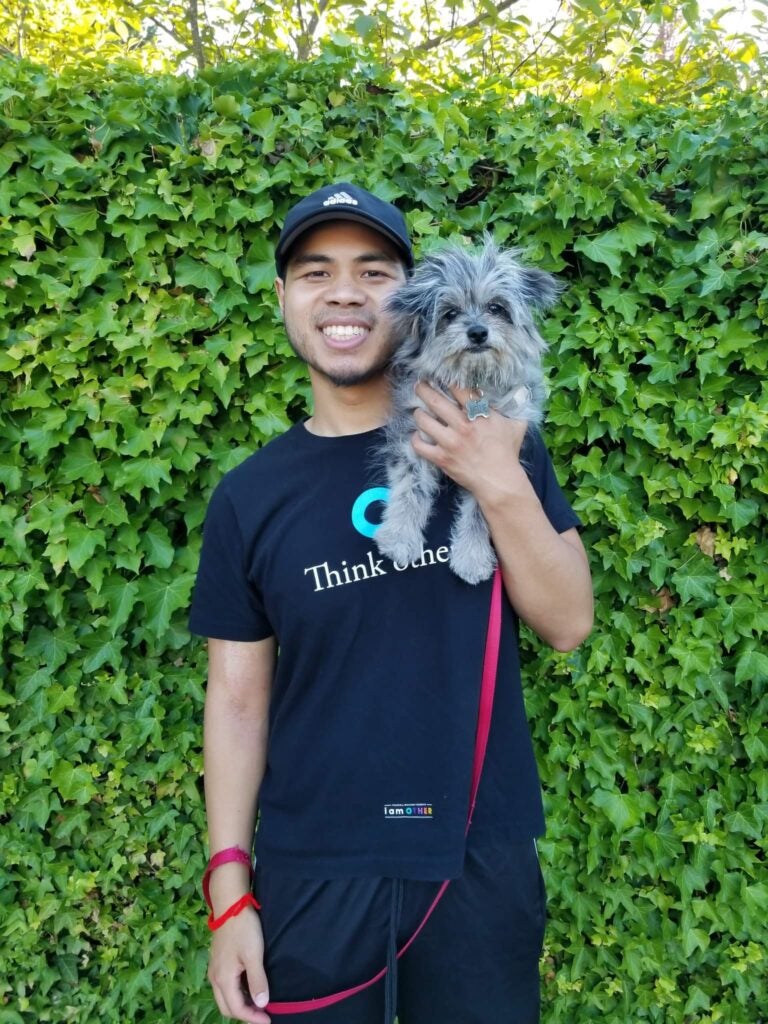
(236, 969)
(546, 574)
(480, 455)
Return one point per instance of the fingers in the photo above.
(450, 413)
(234, 1000)
(432, 428)
(439, 405)
(254, 982)
(443, 422)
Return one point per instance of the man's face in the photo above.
(336, 281)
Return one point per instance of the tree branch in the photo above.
(302, 25)
(300, 40)
(20, 31)
(163, 28)
(435, 41)
(197, 43)
(235, 41)
(308, 34)
(545, 35)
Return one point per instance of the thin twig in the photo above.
(150, 17)
(435, 41)
(544, 37)
(234, 42)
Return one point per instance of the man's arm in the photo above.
(235, 750)
(546, 574)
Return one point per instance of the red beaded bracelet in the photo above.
(248, 900)
(230, 855)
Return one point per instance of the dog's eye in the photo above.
(450, 314)
(496, 310)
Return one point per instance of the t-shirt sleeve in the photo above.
(538, 464)
(225, 604)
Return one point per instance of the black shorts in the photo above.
(475, 962)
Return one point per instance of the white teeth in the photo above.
(343, 331)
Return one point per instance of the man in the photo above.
(356, 738)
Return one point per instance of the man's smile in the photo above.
(345, 335)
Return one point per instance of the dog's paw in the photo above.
(473, 565)
(401, 546)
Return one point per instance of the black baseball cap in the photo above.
(343, 202)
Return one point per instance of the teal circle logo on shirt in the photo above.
(359, 519)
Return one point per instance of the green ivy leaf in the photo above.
(621, 809)
(715, 278)
(157, 546)
(191, 273)
(695, 581)
(705, 203)
(77, 219)
(107, 653)
(86, 259)
(120, 595)
(621, 300)
(35, 809)
(161, 597)
(633, 234)
(82, 542)
(227, 106)
(74, 782)
(81, 463)
(136, 475)
(52, 647)
(608, 248)
(365, 26)
(752, 667)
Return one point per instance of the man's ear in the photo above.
(280, 291)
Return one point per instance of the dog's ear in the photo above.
(540, 289)
(412, 309)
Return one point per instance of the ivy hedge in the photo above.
(141, 356)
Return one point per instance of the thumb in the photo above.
(256, 980)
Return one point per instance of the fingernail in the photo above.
(262, 999)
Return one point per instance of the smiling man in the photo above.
(343, 688)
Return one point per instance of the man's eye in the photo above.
(450, 314)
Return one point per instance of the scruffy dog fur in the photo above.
(466, 319)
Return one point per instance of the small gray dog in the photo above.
(465, 317)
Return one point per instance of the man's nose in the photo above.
(345, 290)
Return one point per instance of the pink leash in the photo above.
(487, 688)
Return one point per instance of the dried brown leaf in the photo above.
(705, 538)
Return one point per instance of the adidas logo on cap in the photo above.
(340, 197)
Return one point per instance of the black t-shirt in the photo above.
(374, 702)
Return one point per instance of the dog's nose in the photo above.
(477, 334)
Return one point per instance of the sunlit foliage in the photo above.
(648, 47)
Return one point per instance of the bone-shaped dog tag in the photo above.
(478, 407)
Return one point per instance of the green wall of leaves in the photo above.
(141, 356)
